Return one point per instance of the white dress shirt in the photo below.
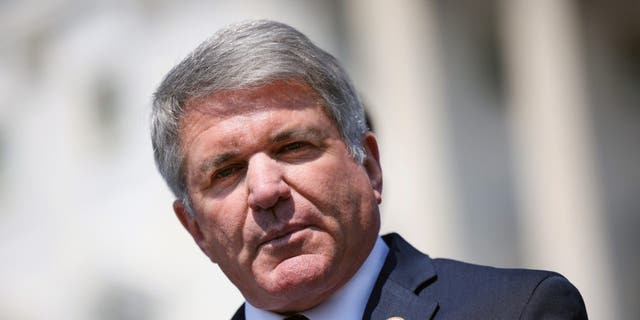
(346, 303)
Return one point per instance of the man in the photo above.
(261, 137)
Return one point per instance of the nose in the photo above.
(265, 182)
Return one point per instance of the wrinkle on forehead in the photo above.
(225, 103)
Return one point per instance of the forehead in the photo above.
(204, 111)
(226, 103)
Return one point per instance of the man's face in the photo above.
(278, 202)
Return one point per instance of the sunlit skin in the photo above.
(278, 202)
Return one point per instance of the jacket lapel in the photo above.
(405, 274)
(239, 315)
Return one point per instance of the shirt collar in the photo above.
(346, 303)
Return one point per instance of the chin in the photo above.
(302, 271)
(299, 283)
(298, 280)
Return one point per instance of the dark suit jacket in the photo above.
(413, 286)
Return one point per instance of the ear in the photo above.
(372, 163)
(190, 223)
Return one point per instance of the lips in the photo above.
(282, 235)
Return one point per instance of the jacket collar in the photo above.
(405, 274)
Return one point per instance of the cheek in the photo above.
(352, 199)
(336, 188)
(328, 171)
(224, 222)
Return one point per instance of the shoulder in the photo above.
(453, 274)
(514, 293)
(463, 290)
(555, 297)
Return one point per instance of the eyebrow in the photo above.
(209, 164)
(299, 133)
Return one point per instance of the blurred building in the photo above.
(508, 135)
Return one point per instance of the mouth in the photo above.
(282, 236)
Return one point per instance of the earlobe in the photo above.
(183, 215)
(372, 164)
(190, 223)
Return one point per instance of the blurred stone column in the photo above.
(560, 205)
(397, 71)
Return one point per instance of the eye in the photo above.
(226, 172)
(294, 146)
(299, 151)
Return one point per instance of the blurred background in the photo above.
(509, 135)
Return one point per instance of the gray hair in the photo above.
(248, 55)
